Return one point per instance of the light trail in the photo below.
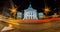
(9, 20)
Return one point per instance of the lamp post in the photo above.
(46, 9)
(13, 9)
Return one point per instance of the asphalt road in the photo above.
(53, 26)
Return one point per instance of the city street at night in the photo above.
(34, 27)
(29, 15)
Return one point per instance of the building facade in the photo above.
(30, 13)
(19, 15)
(40, 15)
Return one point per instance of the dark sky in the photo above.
(36, 4)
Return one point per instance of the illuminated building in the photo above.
(30, 13)
(40, 15)
(19, 15)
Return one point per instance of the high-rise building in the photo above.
(30, 13)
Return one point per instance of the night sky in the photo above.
(36, 4)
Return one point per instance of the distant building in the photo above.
(30, 13)
(19, 15)
(6, 12)
(40, 15)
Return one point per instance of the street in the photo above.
(35, 27)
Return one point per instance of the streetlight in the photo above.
(46, 10)
(13, 9)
